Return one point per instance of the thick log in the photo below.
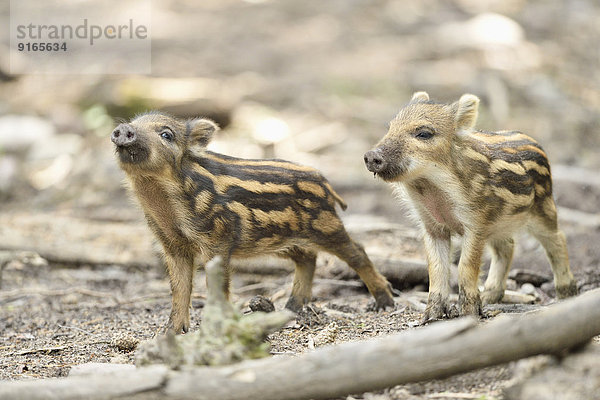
(101, 386)
(403, 272)
(437, 351)
(432, 352)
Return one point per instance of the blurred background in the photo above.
(312, 81)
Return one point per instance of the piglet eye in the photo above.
(424, 134)
(166, 135)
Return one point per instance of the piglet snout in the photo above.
(123, 135)
(374, 160)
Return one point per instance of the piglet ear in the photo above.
(466, 111)
(201, 131)
(419, 97)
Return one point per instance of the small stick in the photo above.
(75, 328)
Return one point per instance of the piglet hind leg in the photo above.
(181, 274)
(303, 278)
(438, 263)
(555, 244)
(354, 255)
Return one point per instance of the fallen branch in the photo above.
(405, 272)
(510, 297)
(433, 352)
(15, 294)
(155, 297)
(437, 351)
(46, 350)
(54, 349)
(402, 272)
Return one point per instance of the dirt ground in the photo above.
(64, 316)
(331, 75)
(56, 316)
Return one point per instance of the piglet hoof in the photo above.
(570, 290)
(438, 308)
(469, 304)
(177, 325)
(177, 330)
(492, 296)
(438, 313)
(294, 305)
(374, 306)
(384, 300)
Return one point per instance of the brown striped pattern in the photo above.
(267, 197)
(516, 176)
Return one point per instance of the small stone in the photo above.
(523, 276)
(261, 303)
(125, 343)
(528, 288)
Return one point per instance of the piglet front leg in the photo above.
(437, 247)
(181, 274)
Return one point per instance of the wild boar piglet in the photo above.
(483, 186)
(201, 204)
